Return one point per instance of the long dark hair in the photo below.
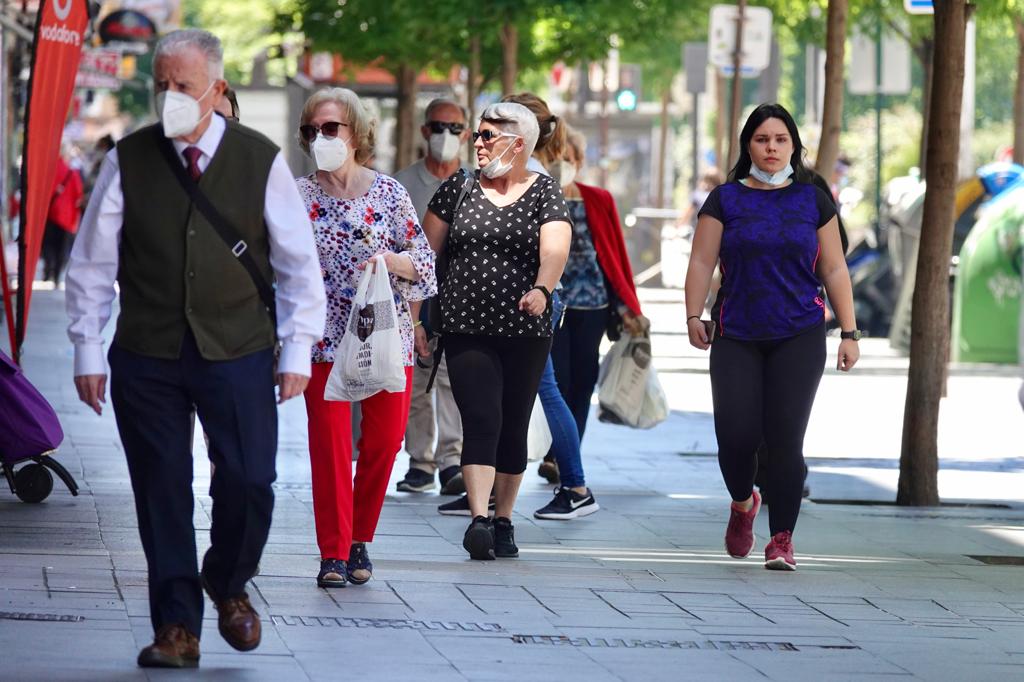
(758, 116)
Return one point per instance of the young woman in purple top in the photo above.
(776, 238)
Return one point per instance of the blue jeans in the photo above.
(565, 437)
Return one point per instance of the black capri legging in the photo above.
(764, 390)
(494, 381)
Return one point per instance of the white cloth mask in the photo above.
(330, 153)
(444, 146)
(179, 112)
(496, 167)
(773, 179)
(566, 173)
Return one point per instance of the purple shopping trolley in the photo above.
(29, 432)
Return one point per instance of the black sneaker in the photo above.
(451, 481)
(333, 573)
(504, 539)
(460, 507)
(479, 539)
(416, 481)
(548, 470)
(568, 504)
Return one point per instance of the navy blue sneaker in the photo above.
(479, 539)
(360, 569)
(504, 539)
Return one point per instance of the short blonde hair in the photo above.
(362, 125)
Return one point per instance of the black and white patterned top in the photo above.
(493, 257)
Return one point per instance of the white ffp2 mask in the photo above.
(444, 147)
(330, 153)
(179, 113)
(496, 167)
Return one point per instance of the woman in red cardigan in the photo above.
(597, 286)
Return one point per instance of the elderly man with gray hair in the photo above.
(507, 241)
(445, 131)
(194, 217)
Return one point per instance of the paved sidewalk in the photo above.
(641, 590)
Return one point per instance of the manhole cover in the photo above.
(48, 617)
(996, 560)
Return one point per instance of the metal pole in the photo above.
(737, 85)
(878, 125)
(696, 139)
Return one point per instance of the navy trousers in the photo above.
(153, 400)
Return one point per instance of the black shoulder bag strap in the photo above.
(231, 237)
(467, 186)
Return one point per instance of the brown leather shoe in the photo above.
(172, 647)
(239, 623)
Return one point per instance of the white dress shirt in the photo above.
(92, 267)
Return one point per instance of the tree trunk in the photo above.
(737, 88)
(926, 55)
(1018, 97)
(929, 327)
(472, 89)
(509, 35)
(832, 114)
(405, 116)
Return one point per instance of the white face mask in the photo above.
(444, 147)
(496, 167)
(566, 173)
(179, 112)
(330, 153)
(773, 179)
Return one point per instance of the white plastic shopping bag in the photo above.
(538, 436)
(629, 392)
(369, 358)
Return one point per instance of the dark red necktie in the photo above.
(192, 155)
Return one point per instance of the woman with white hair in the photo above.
(507, 241)
(357, 213)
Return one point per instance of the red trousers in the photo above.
(347, 511)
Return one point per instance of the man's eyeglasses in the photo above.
(329, 129)
(438, 127)
(489, 135)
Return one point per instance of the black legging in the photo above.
(764, 390)
(575, 354)
(494, 381)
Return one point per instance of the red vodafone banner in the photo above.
(59, 36)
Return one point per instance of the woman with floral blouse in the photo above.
(356, 214)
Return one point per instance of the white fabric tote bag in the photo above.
(629, 392)
(369, 358)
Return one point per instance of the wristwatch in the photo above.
(854, 335)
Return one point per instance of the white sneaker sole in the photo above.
(574, 514)
(779, 564)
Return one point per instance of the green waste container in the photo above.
(987, 297)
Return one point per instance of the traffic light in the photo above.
(628, 94)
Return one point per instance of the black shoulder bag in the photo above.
(434, 304)
(231, 236)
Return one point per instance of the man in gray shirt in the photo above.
(445, 131)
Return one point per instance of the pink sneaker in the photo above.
(739, 534)
(778, 555)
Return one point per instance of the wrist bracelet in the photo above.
(417, 323)
(544, 290)
(693, 317)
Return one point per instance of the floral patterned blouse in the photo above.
(351, 231)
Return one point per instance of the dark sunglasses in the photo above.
(487, 135)
(438, 127)
(329, 129)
